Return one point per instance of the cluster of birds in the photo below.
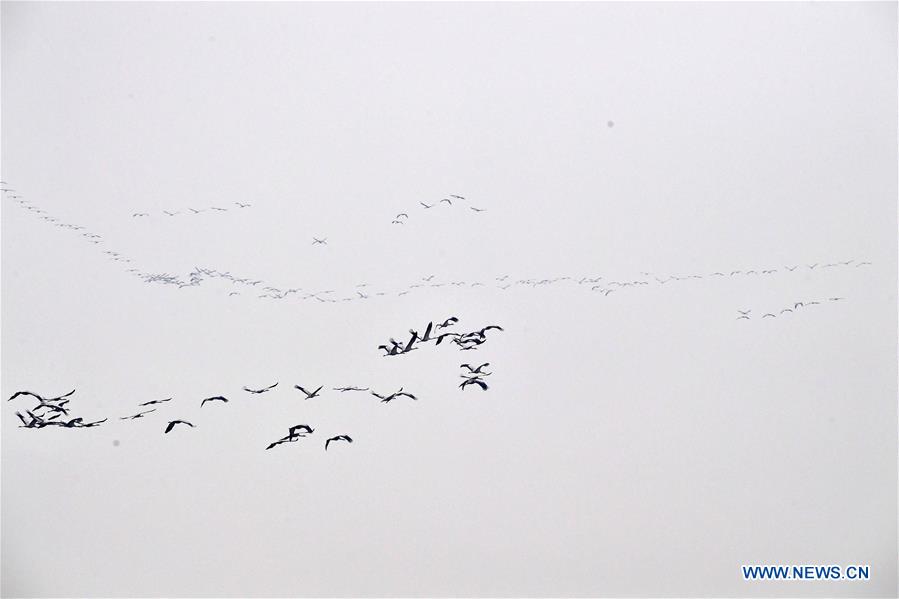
(475, 376)
(403, 217)
(747, 314)
(465, 341)
(50, 411)
(192, 211)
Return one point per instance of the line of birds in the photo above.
(198, 276)
(402, 217)
(747, 314)
(192, 211)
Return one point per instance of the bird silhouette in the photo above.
(216, 398)
(448, 322)
(476, 370)
(448, 201)
(263, 390)
(138, 415)
(394, 395)
(338, 438)
(426, 205)
(307, 393)
(172, 424)
(474, 381)
(155, 401)
(317, 241)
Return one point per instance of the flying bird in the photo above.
(476, 370)
(308, 394)
(317, 241)
(138, 415)
(216, 398)
(448, 201)
(344, 389)
(478, 209)
(242, 205)
(426, 205)
(474, 381)
(448, 322)
(263, 390)
(172, 424)
(392, 396)
(155, 401)
(338, 438)
(295, 431)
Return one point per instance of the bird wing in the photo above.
(301, 389)
(18, 393)
(317, 390)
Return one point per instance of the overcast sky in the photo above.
(642, 442)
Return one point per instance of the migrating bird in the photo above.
(138, 415)
(344, 389)
(448, 201)
(139, 214)
(403, 214)
(426, 205)
(392, 396)
(474, 381)
(308, 394)
(242, 205)
(172, 424)
(38, 397)
(294, 433)
(263, 390)
(171, 213)
(338, 438)
(448, 322)
(477, 209)
(476, 370)
(317, 241)
(155, 401)
(744, 313)
(457, 197)
(216, 398)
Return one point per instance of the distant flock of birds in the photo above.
(448, 202)
(747, 314)
(264, 290)
(192, 211)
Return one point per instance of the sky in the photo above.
(598, 164)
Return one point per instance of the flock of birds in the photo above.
(192, 211)
(448, 202)
(262, 289)
(465, 341)
(55, 411)
(747, 314)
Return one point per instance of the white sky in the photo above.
(640, 443)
